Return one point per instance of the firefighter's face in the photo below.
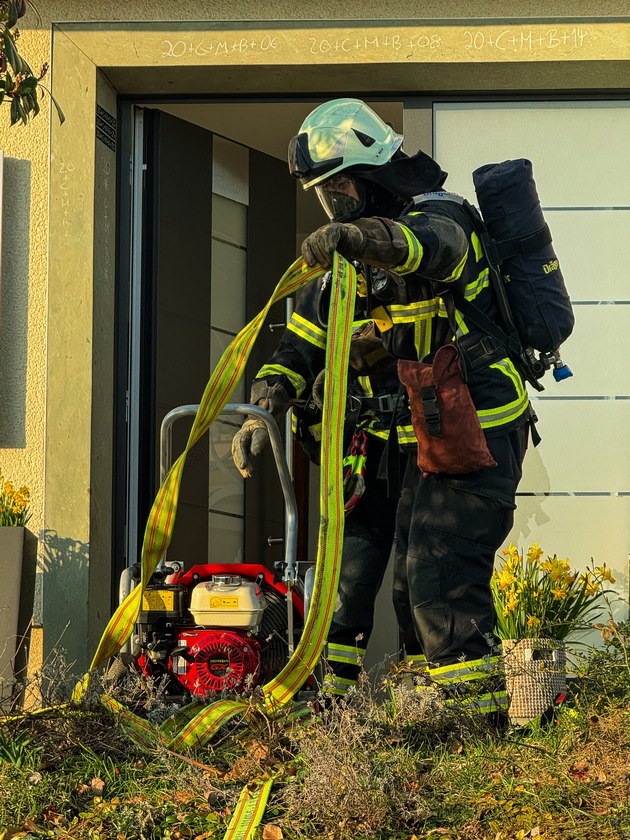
(342, 197)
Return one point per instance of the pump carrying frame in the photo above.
(289, 566)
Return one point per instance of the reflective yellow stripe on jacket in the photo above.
(294, 378)
(307, 330)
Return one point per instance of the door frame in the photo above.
(94, 65)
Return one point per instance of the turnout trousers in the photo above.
(448, 531)
(367, 547)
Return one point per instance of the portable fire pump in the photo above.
(216, 628)
(220, 627)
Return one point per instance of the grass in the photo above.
(408, 766)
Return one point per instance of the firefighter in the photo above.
(377, 429)
(385, 212)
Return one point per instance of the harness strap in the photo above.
(391, 455)
(524, 247)
(383, 403)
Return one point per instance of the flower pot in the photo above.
(535, 673)
(11, 552)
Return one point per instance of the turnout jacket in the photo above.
(442, 264)
(375, 398)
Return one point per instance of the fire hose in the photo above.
(197, 723)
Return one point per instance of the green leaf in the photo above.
(13, 56)
(12, 14)
(15, 111)
(29, 83)
(34, 104)
(60, 113)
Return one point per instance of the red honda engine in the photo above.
(216, 628)
(215, 660)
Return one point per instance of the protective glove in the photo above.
(375, 240)
(252, 437)
(367, 352)
(318, 389)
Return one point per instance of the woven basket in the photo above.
(535, 673)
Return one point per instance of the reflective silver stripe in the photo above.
(456, 273)
(309, 332)
(414, 258)
(489, 417)
(423, 329)
(342, 653)
(337, 685)
(365, 385)
(294, 378)
(404, 313)
(498, 701)
(477, 247)
(405, 434)
(462, 671)
(477, 286)
(349, 648)
(418, 659)
(503, 414)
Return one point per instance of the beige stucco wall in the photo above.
(31, 340)
(23, 310)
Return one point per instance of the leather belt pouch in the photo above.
(443, 415)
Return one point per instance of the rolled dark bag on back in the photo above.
(535, 287)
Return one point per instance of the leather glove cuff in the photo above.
(384, 243)
(367, 352)
(375, 240)
(273, 398)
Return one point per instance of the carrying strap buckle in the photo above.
(431, 410)
(384, 403)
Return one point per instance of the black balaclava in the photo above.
(390, 188)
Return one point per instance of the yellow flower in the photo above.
(514, 558)
(558, 570)
(589, 584)
(536, 584)
(605, 573)
(13, 503)
(505, 578)
(534, 553)
(512, 601)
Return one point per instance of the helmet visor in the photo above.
(342, 197)
(309, 159)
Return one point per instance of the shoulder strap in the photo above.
(508, 337)
(439, 195)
